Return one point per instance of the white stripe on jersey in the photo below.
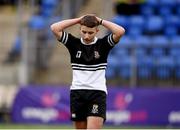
(110, 41)
(64, 37)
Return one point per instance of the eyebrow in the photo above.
(87, 31)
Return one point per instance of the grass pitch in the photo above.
(50, 127)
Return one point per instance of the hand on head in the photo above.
(98, 19)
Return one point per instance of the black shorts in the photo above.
(86, 103)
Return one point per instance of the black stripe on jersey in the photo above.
(64, 37)
(110, 40)
(89, 69)
(102, 67)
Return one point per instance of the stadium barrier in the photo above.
(134, 107)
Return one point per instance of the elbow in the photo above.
(121, 31)
(55, 28)
(52, 27)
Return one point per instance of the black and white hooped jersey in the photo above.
(88, 61)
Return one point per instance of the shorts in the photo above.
(86, 103)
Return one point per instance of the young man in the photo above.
(89, 60)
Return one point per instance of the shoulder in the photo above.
(67, 37)
(108, 39)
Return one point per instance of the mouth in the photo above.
(87, 41)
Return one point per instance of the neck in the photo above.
(89, 43)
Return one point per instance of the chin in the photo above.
(87, 41)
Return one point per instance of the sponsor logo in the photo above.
(122, 100)
(95, 108)
(43, 114)
(73, 115)
(50, 99)
(120, 117)
(174, 117)
(96, 54)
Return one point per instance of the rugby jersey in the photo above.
(88, 61)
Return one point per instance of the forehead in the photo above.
(88, 29)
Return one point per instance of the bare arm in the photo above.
(58, 27)
(118, 31)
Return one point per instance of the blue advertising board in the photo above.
(41, 105)
(144, 106)
(150, 106)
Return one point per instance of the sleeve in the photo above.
(64, 38)
(110, 40)
(67, 39)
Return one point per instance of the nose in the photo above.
(86, 36)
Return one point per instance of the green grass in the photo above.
(48, 127)
(23, 126)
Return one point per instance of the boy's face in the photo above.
(88, 33)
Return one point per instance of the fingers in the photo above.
(91, 14)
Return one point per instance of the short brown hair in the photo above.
(89, 21)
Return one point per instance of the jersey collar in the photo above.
(95, 40)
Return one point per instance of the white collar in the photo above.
(93, 42)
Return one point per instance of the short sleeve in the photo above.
(110, 40)
(64, 38)
(68, 40)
